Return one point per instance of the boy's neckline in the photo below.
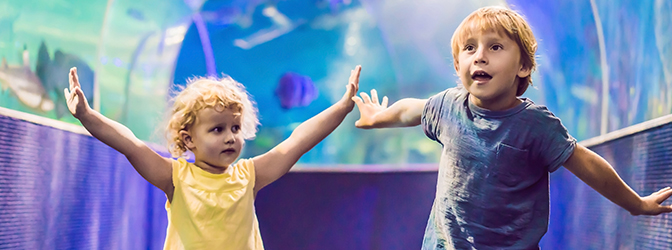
(501, 113)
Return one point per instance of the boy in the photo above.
(498, 148)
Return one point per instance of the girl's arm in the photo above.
(156, 169)
(276, 162)
(598, 174)
(404, 113)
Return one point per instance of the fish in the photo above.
(25, 84)
(295, 90)
(52, 74)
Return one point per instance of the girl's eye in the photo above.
(217, 129)
(497, 47)
(235, 128)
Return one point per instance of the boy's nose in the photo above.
(479, 57)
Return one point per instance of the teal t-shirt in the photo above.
(493, 182)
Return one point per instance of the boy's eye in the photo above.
(497, 47)
(217, 129)
(235, 128)
(469, 47)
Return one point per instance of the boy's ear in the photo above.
(456, 65)
(524, 71)
(186, 138)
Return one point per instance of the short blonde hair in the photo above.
(501, 20)
(204, 92)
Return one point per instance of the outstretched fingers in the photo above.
(662, 190)
(74, 93)
(665, 209)
(373, 99)
(74, 85)
(357, 100)
(74, 79)
(365, 97)
(66, 93)
(80, 95)
(663, 194)
(374, 96)
(353, 82)
(354, 75)
(71, 78)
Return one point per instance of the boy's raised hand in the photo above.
(74, 97)
(651, 204)
(368, 108)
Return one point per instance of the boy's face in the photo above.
(215, 139)
(489, 65)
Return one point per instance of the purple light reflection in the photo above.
(205, 43)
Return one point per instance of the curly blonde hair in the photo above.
(505, 21)
(204, 92)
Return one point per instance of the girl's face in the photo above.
(215, 139)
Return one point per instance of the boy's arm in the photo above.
(156, 169)
(276, 162)
(404, 113)
(597, 173)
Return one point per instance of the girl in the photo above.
(211, 201)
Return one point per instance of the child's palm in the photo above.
(74, 97)
(368, 108)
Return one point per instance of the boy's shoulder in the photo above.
(457, 91)
(449, 95)
(536, 109)
(538, 113)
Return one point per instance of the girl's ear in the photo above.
(186, 138)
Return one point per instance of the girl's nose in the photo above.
(230, 139)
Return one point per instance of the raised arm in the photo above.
(277, 162)
(598, 174)
(404, 113)
(150, 165)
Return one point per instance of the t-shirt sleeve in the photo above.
(431, 116)
(556, 145)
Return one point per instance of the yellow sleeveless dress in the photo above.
(213, 211)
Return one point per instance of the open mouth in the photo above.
(480, 75)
